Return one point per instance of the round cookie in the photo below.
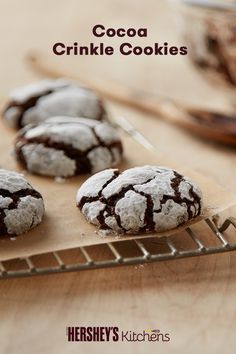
(65, 147)
(36, 102)
(140, 199)
(21, 206)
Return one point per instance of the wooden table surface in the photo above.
(192, 299)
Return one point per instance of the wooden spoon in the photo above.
(215, 126)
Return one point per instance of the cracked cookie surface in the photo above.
(36, 102)
(140, 199)
(65, 147)
(21, 206)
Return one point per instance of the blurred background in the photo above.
(30, 26)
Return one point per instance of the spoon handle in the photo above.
(133, 98)
(162, 108)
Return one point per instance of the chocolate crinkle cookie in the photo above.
(21, 206)
(36, 102)
(141, 199)
(65, 147)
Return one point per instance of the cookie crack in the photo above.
(116, 174)
(16, 196)
(149, 224)
(175, 183)
(87, 199)
(112, 201)
(3, 229)
(117, 143)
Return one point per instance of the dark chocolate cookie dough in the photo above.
(140, 199)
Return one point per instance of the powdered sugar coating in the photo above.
(13, 181)
(26, 216)
(5, 202)
(92, 210)
(136, 205)
(21, 206)
(47, 161)
(37, 102)
(140, 199)
(64, 146)
(97, 181)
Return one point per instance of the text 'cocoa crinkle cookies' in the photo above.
(140, 199)
(65, 147)
(21, 206)
(36, 102)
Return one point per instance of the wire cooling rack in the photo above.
(204, 238)
(118, 253)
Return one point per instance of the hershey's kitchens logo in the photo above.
(114, 334)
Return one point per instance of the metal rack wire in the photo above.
(129, 252)
(162, 249)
